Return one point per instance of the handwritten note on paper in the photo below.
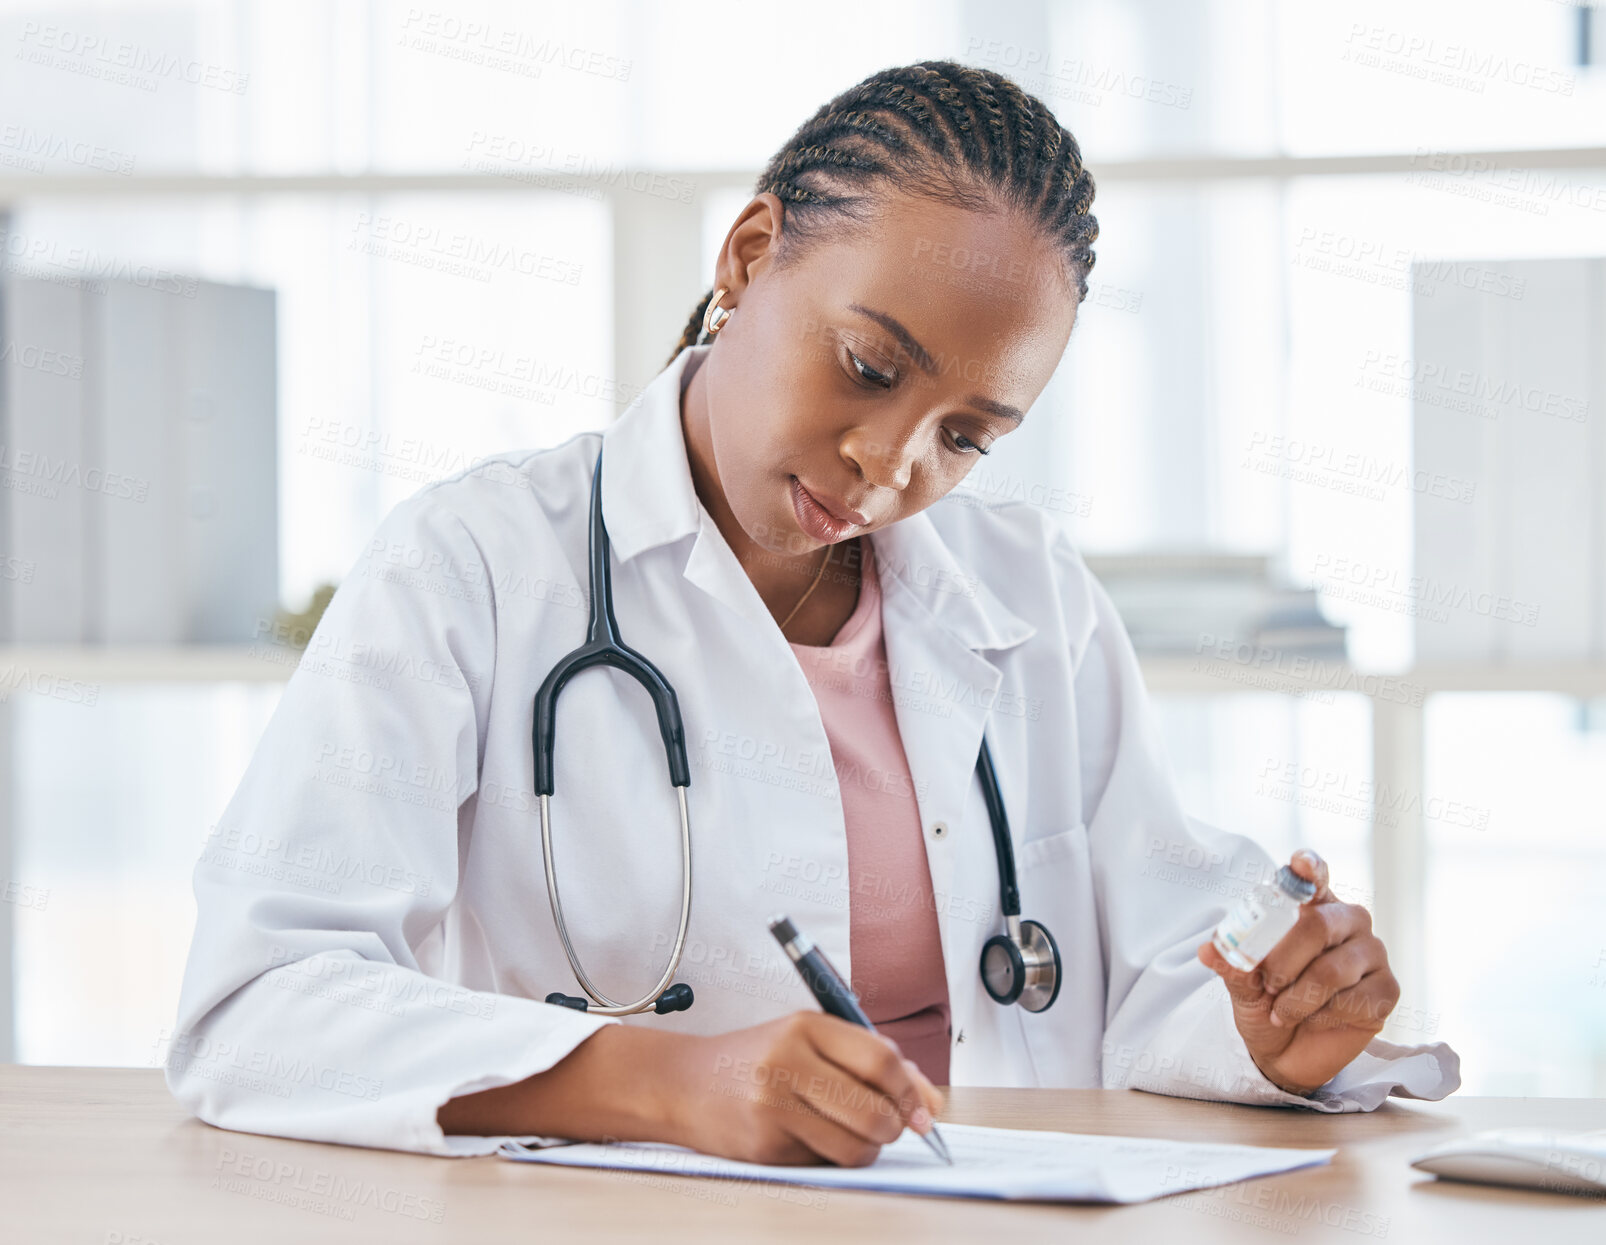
(1009, 1163)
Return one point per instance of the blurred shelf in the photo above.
(1163, 167)
(1186, 674)
(1167, 675)
(149, 663)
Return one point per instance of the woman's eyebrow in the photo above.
(905, 338)
(1001, 409)
(928, 365)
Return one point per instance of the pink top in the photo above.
(896, 945)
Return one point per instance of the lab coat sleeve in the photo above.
(304, 1012)
(1163, 880)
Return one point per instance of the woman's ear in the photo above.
(750, 246)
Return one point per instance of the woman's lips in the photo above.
(815, 519)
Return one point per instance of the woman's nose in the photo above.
(880, 460)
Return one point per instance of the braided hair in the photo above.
(959, 135)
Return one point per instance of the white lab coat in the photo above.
(374, 934)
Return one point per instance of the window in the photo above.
(441, 199)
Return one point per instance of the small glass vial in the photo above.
(1258, 921)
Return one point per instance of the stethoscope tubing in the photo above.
(605, 647)
(607, 1006)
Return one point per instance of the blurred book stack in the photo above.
(1180, 602)
(1509, 433)
(138, 461)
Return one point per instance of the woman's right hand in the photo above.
(808, 1088)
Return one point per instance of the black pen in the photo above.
(835, 996)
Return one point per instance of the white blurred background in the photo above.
(1319, 333)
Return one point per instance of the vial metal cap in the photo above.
(1292, 884)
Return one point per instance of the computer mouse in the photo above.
(1531, 1158)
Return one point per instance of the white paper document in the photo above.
(1015, 1164)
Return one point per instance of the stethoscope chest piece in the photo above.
(1022, 966)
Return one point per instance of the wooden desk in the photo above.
(105, 1155)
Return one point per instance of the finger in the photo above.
(1244, 987)
(854, 1106)
(826, 1139)
(1330, 972)
(1320, 927)
(875, 1061)
(839, 1094)
(1308, 864)
(930, 1095)
(1365, 1005)
(791, 1150)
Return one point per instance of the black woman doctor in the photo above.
(891, 302)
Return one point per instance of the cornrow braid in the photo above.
(694, 326)
(960, 135)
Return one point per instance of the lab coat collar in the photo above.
(649, 499)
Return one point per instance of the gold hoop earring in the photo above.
(712, 322)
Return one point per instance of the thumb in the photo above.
(1309, 865)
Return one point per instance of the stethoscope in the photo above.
(1021, 965)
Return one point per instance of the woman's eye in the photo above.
(965, 445)
(869, 373)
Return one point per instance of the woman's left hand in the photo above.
(1321, 993)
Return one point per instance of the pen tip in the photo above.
(783, 929)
